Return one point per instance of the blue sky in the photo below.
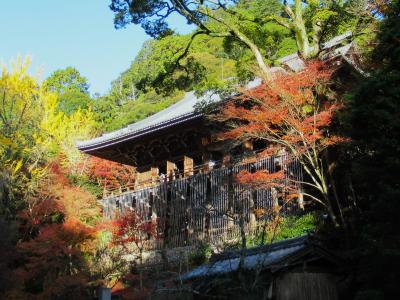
(78, 33)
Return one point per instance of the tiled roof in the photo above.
(177, 113)
(262, 256)
(184, 110)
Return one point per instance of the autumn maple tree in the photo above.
(108, 174)
(294, 115)
(133, 228)
(54, 260)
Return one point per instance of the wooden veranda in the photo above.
(206, 207)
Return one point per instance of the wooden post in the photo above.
(206, 161)
(171, 167)
(248, 145)
(207, 216)
(248, 152)
(205, 154)
(274, 194)
(231, 200)
(188, 212)
(226, 159)
(154, 175)
(301, 200)
(167, 225)
(253, 219)
(144, 179)
(188, 166)
(205, 141)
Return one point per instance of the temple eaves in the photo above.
(184, 110)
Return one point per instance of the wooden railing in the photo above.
(206, 206)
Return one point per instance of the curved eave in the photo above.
(97, 143)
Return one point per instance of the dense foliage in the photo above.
(49, 226)
(290, 114)
(375, 127)
(246, 22)
(341, 123)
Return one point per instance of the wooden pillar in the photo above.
(144, 179)
(231, 199)
(206, 155)
(171, 167)
(248, 152)
(226, 160)
(188, 213)
(252, 215)
(188, 166)
(154, 173)
(167, 226)
(275, 199)
(206, 161)
(301, 200)
(207, 217)
(248, 145)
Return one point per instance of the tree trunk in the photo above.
(265, 70)
(336, 196)
(298, 26)
(302, 40)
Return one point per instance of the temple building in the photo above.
(176, 141)
(185, 177)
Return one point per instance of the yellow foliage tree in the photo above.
(60, 131)
(32, 131)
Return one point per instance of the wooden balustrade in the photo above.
(206, 206)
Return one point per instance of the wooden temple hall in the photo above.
(185, 178)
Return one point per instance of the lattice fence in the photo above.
(206, 206)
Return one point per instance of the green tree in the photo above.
(105, 110)
(375, 128)
(66, 80)
(240, 20)
(216, 19)
(71, 101)
(156, 67)
(72, 90)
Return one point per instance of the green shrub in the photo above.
(201, 255)
(88, 185)
(294, 226)
(290, 227)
